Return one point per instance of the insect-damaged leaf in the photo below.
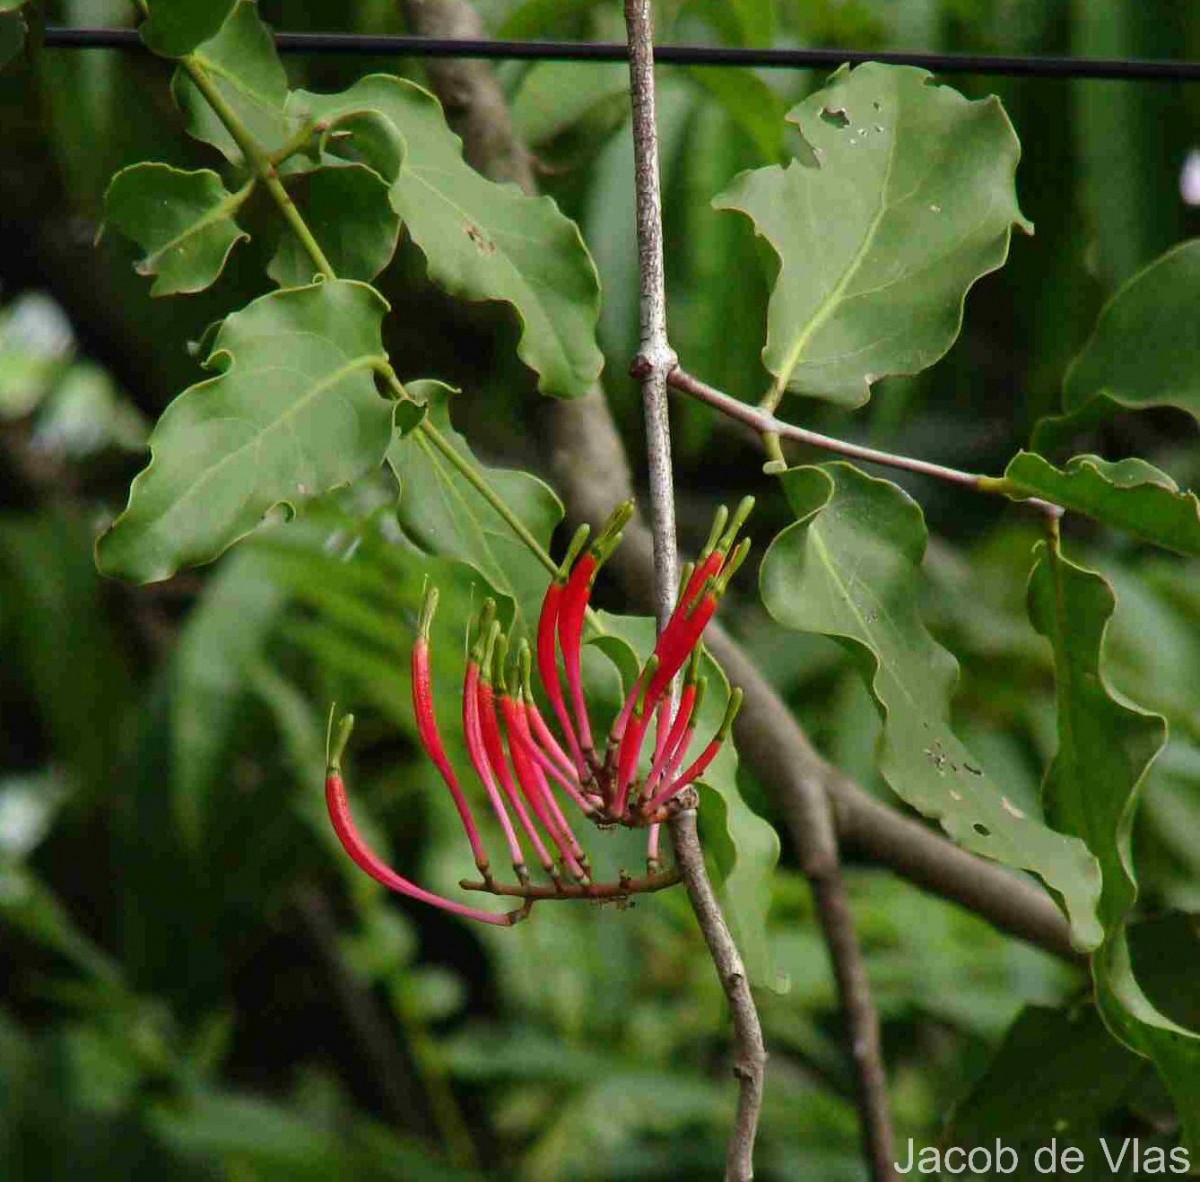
(848, 569)
(292, 413)
(482, 240)
(907, 199)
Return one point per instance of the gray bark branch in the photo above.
(655, 360)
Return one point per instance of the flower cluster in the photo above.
(524, 766)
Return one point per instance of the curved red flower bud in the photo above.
(366, 859)
(427, 728)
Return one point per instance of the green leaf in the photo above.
(176, 27)
(29, 906)
(12, 35)
(485, 241)
(184, 221)
(848, 568)
(292, 413)
(1082, 1076)
(555, 96)
(1129, 494)
(907, 200)
(741, 22)
(749, 102)
(445, 514)
(1145, 350)
(212, 666)
(348, 211)
(743, 847)
(1105, 747)
(246, 71)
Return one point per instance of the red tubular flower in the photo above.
(576, 595)
(493, 742)
(706, 757)
(547, 641)
(427, 728)
(473, 733)
(343, 825)
(523, 765)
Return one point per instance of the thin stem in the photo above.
(297, 143)
(621, 889)
(771, 430)
(476, 480)
(654, 362)
(258, 161)
(749, 1049)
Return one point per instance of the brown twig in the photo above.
(770, 429)
(654, 361)
(623, 889)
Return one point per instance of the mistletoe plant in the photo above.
(901, 198)
(606, 788)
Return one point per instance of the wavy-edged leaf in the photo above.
(241, 61)
(1129, 494)
(444, 513)
(1145, 350)
(907, 200)
(176, 27)
(184, 221)
(1105, 748)
(292, 413)
(742, 846)
(848, 568)
(482, 240)
(348, 211)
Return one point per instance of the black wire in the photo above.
(695, 55)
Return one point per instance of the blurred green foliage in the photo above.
(194, 983)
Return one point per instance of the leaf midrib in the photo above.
(317, 389)
(830, 302)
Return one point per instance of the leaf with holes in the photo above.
(184, 221)
(247, 75)
(1129, 494)
(848, 569)
(907, 199)
(176, 27)
(743, 848)
(292, 412)
(348, 212)
(481, 240)
(444, 512)
(1105, 748)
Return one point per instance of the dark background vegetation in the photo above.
(193, 984)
